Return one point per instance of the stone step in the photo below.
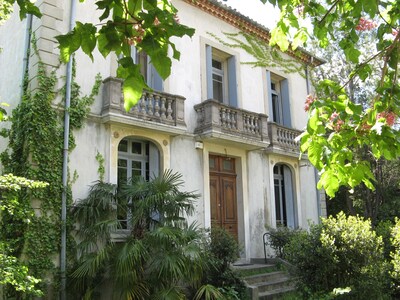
(275, 294)
(269, 285)
(266, 277)
(274, 285)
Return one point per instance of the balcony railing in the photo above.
(237, 124)
(215, 117)
(153, 106)
(283, 138)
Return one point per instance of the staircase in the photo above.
(268, 283)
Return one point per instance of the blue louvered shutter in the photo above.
(287, 120)
(232, 82)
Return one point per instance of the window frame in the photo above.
(229, 70)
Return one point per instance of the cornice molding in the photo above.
(249, 26)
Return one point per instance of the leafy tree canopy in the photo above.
(338, 127)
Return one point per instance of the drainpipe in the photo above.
(63, 254)
(315, 170)
(27, 50)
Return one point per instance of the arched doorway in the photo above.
(285, 206)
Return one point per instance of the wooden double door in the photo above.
(223, 193)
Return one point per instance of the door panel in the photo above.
(214, 199)
(223, 194)
(229, 221)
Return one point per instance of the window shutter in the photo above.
(287, 120)
(154, 81)
(209, 72)
(154, 161)
(289, 199)
(232, 82)
(269, 92)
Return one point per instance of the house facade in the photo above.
(229, 128)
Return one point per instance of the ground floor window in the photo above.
(285, 208)
(135, 158)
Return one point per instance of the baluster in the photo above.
(256, 126)
(169, 109)
(223, 117)
(245, 123)
(157, 106)
(135, 109)
(163, 109)
(234, 120)
(142, 105)
(228, 118)
(150, 104)
(252, 124)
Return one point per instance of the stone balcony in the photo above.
(219, 121)
(283, 139)
(156, 110)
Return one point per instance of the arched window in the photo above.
(136, 157)
(285, 207)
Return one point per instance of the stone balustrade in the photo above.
(153, 106)
(283, 137)
(213, 116)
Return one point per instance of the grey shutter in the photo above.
(287, 120)
(232, 82)
(269, 92)
(209, 72)
(289, 199)
(154, 81)
(154, 161)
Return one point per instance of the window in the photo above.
(279, 103)
(135, 158)
(221, 76)
(150, 74)
(285, 209)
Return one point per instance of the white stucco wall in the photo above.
(12, 52)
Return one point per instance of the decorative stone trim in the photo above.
(249, 26)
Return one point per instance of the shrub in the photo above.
(395, 257)
(342, 254)
(221, 250)
(279, 237)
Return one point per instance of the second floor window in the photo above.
(279, 101)
(221, 76)
(150, 74)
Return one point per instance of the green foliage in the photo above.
(221, 250)
(159, 251)
(338, 129)
(100, 170)
(35, 151)
(395, 255)
(342, 253)
(279, 237)
(25, 7)
(264, 54)
(148, 25)
(14, 275)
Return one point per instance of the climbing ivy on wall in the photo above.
(35, 152)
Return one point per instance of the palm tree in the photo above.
(160, 257)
